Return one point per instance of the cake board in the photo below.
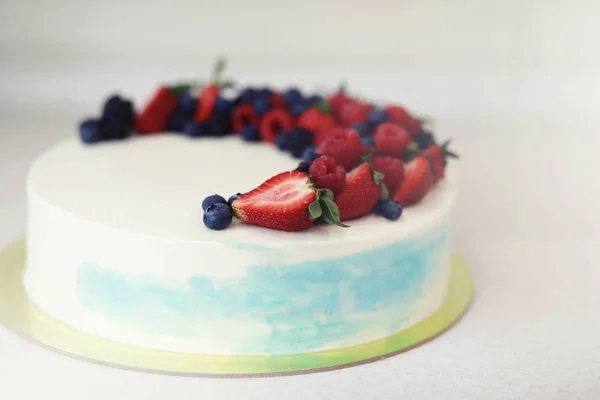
(22, 317)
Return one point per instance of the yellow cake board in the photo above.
(21, 316)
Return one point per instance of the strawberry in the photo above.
(359, 195)
(418, 179)
(244, 115)
(392, 168)
(354, 112)
(206, 103)
(326, 173)
(391, 139)
(438, 156)
(337, 100)
(279, 203)
(344, 145)
(400, 116)
(154, 116)
(273, 122)
(318, 122)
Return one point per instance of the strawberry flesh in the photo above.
(359, 195)
(418, 180)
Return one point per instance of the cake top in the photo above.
(358, 157)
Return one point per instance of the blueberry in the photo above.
(232, 198)
(219, 124)
(298, 108)
(310, 154)
(223, 105)
(261, 105)
(195, 129)
(250, 134)
(217, 216)
(378, 116)
(246, 96)
(304, 166)
(114, 129)
(424, 140)
(363, 130)
(179, 118)
(283, 141)
(264, 93)
(368, 141)
(90, 132)
(299, 139)
(314, 100)
(389, 209)
(188, 102)
(119, 109)
(292, 96)
(213, 199)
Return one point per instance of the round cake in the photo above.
(117, 247)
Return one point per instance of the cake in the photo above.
(119, 246)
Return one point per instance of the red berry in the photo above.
(418, 179)
(392, 169)
(436, 156)
(277, 101)
(359, 195)
(279, 203)
(273, 122)
(319, 123)
(206, 103)
(154, 116)
(337, 101)
(400, 116)
(242, 116)
(326, 173)
(391, 139)
(344, 145)
(354, 112)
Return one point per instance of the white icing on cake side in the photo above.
(116, 228)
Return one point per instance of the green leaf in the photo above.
(325, 194)
(314, 209)
(324, 107)
(329, 210)
(377, 177)
(227, 84)
(385, 193)
(366, 158)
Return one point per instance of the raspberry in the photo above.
(344, 145)
(392, 169)
(275, 121)
(391, 139)
(354, 112)
(244, 116)
(400, 116)
(326, 173)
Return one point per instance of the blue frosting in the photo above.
(303, 306)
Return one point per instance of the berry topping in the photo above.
(89, 130)
(368, 141)
(391, 139)
(389, 209)
(298, 109)
(223, 105)
(244, 115)
(210, 93)
(353, 112)
(154, 116)
(277, 101)
(232, 198)
(279, 203)
(418, 179)
(292, 96)
(299, 140)
(344, 145)
(213, 199)
(179, 118)
(246, 96)
(195, 129)
(438, 155)
(359, 195)
(275, 121)
(304, 166)
(219, 124)
(314, 100)
(326, 173)
(118, 109)
(318, 122)
(283, 141)
(378, 116)
(188, 102)
(250, 134)
(400, 116)
(310, 154)
(424, 140)
(217, 216)
(392, 169)
(261, 105)
(363, 130)
(337, 101)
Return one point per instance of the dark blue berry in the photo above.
(114, 129)
(304, 166)
(232, 198)
(217, 216)
(314, 100)
(292, 96)
(90, 132)
(368, 141)
(261, 105)
(223, 105)
(389, 209)
(213, 199)
(283, 141)
(119, 109)
(250, 134)
(299, 139)
(298, 109)
(246, 96)
(219, 124)
(310, 154)
(188, 102)
(195, 129)
(363, 130)
(179, 118)
(424, 140)
(264, 93)
(378, 116)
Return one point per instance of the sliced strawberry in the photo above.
(154, 116)
(392, 168)
(279, 203)
(354, 112)
(206, 103)
(400, 116)
(275, 121)
(418, 180)
(359, 195)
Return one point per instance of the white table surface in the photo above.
(523, 107)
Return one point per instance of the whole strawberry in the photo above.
(418, 180)
(344, 146)
(438, 155)
(355, 112)
(210, 93)
(391, 139)
(318, 122)
(359, 195)
(392, 168)
(400, 116)
(326, 173)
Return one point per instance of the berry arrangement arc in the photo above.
(356, 157)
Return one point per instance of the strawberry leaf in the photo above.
(377, 176)
(228, 84)
(314, 209)
(324, 107)
(385, 193)
(329, 210)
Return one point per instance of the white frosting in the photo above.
(133, 208)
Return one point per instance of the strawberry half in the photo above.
(438, 154)
(279, 203)
(359, 195)
(418, 180)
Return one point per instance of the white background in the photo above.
(515, 83)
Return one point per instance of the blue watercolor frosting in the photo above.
(298, 308)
